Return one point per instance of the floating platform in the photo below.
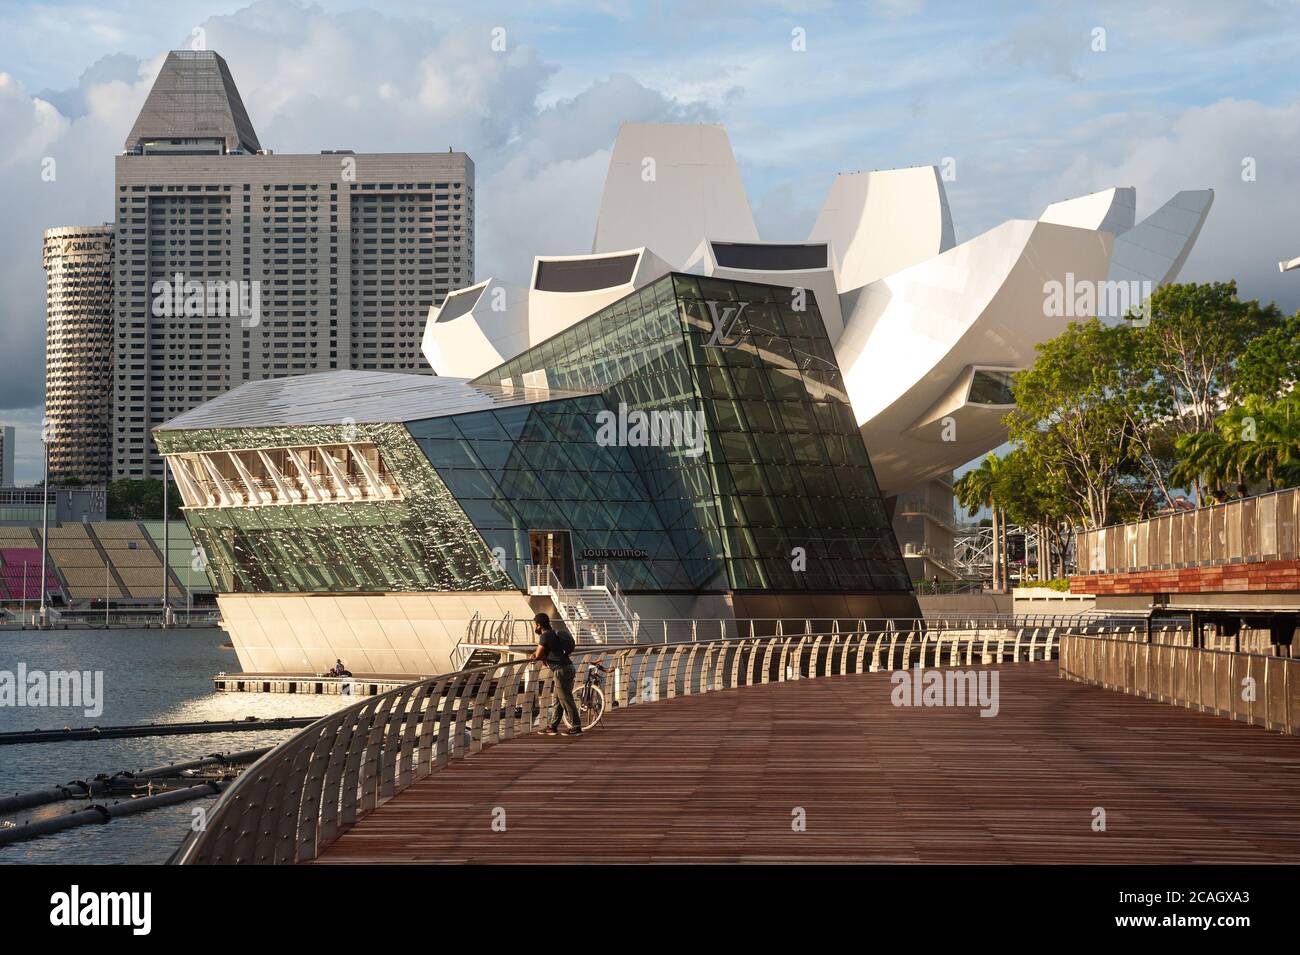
(364, 684)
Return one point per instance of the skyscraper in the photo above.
(6, 456)
(78, 350)
(234, 264)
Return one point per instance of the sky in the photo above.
(1026, 103)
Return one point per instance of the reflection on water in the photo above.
(150, 676)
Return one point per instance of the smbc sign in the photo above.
(83, 247)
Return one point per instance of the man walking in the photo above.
(553, 649)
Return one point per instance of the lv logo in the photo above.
(724, 316)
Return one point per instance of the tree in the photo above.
(1031, 499)
(1190, 353)
(1256, 440)
(141, 500)
(1075, 419)
(1270, 365)
(979, 488)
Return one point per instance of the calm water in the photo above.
(149, 676)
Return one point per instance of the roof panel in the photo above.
(335, 397)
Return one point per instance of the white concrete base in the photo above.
(1043, 600)
(399, 633)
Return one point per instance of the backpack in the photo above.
(565, 642)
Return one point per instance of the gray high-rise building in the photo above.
(78, 351)
(234, 264)
(6, 456)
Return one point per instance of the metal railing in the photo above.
(298, 798)
(1252, 529)
(542, 579)
(142, 617)
(649, 631)
(1255, 688)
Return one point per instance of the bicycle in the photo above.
(589, 696)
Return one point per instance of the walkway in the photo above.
(724, 777)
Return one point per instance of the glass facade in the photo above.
(696, 438)
(540, 467)
(783, 496)
(421, 543)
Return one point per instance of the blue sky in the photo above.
(1018, 95)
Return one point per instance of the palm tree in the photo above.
(1205, 459)
(978, 489)
(1256, 440)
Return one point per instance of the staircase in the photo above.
(596, 612)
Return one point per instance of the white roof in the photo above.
(341, 397)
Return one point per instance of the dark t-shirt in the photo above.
(553, 646)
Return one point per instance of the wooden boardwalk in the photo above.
(724, 777)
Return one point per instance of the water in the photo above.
(149, 676)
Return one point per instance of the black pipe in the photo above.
(155, 729)
(106, 782)
(100, 813)
(40, 797)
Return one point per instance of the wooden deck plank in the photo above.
(716, 778)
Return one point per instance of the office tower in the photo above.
(234, 264)
(78, 350)
(6, 456)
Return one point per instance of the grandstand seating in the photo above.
(77, 562)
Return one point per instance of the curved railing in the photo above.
(302, 795)
(646, 630)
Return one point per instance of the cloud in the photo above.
(1216, 146)
(116, 67)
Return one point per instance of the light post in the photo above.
(45, 516)
(24, 595)
(166, 568)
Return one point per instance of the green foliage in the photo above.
(1192, 346)
(1112, 418)
(1256, 440)
(1270, 365)
(1073, 416)
(1059, 584)
(141, 500)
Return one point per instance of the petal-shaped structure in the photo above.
(476, 328)
(670, 185)
(1110, 210)
(565, 289)
(925, 352)
(878, 223)
(805, 265)
(1155, 249)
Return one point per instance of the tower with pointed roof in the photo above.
(341, 253)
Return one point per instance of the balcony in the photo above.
(283, 476)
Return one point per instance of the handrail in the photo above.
(303, 794)
(1264, 527)
(1254, 688)
(694, 630)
